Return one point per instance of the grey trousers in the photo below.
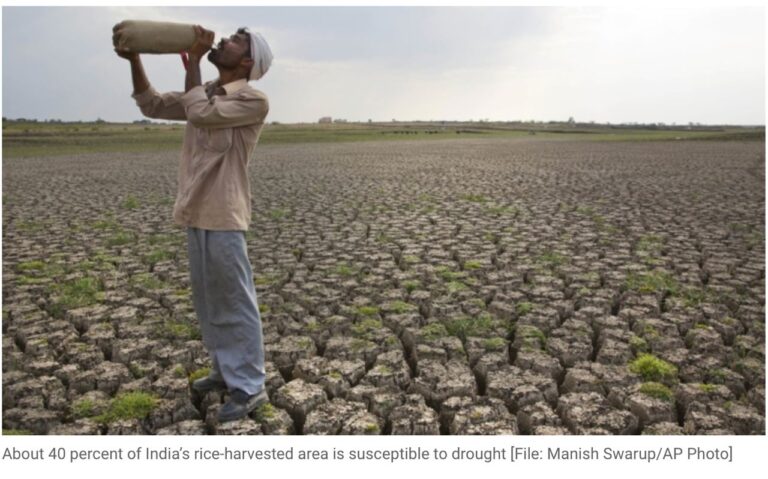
(225, 302)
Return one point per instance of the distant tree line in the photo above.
(98, 121)
(327, 119)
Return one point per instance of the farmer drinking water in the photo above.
(224, 120)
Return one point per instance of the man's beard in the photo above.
(213, 57)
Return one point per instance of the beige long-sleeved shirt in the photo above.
(221, 133)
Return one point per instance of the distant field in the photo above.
(46, 139)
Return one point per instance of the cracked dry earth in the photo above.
(473, 286)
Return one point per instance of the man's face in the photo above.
(229, 52)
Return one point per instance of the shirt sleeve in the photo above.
(164, 106)
(218, 113)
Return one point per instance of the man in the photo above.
(224, 121)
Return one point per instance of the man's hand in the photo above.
(140, 82)
(203, 42)
(127, 54)
(122, 52)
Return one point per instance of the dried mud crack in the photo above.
(510, 286)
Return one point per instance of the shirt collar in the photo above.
(234, 86)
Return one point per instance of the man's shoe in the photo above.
(240, 404)
(206, 384)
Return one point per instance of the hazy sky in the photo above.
(602, 64)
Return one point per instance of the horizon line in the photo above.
(341, 121)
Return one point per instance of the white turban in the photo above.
(261, 54)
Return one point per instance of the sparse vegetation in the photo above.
(652, 282)
(411, 284)
(120, 238)
(653, 369)
(434, 331)
(264, 412)
(523, 308)
(158, 255)
(344, 269)
(76, 293)
(552, 259)
(474, 198)
(366, 328)
(708, 388)
(465, 326)
(148, 281)
(278, 213)
(638, 344)
(133, 405)
(494, 344)
(83, 408)
(657, 390)
(400, 307)
(528, 331)
(470, 265)
(385, 262)
(130, 203)
(177, 329)
(368, 310)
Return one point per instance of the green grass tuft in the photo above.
(465, 326)
(494, 344)
(132, 405)
(708, 388)
(652, 282)
(367, 310)
(130, 203)
(523, 308)
(264, 412)
(147, 280)
(278, 213)
(34, 265)
(176, 329)
(470, 265)
(657, 390)
(434, 331)
(653, 369)
(344, 269)
(120, 238)
(400, 307)
(158, 255)
(529, 331)
(552, 259)
(474, 198)
(411, 284)
(199, 374)
(83, 408)
(76, 294)
(366, 328)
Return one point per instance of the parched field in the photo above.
(517, 285)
